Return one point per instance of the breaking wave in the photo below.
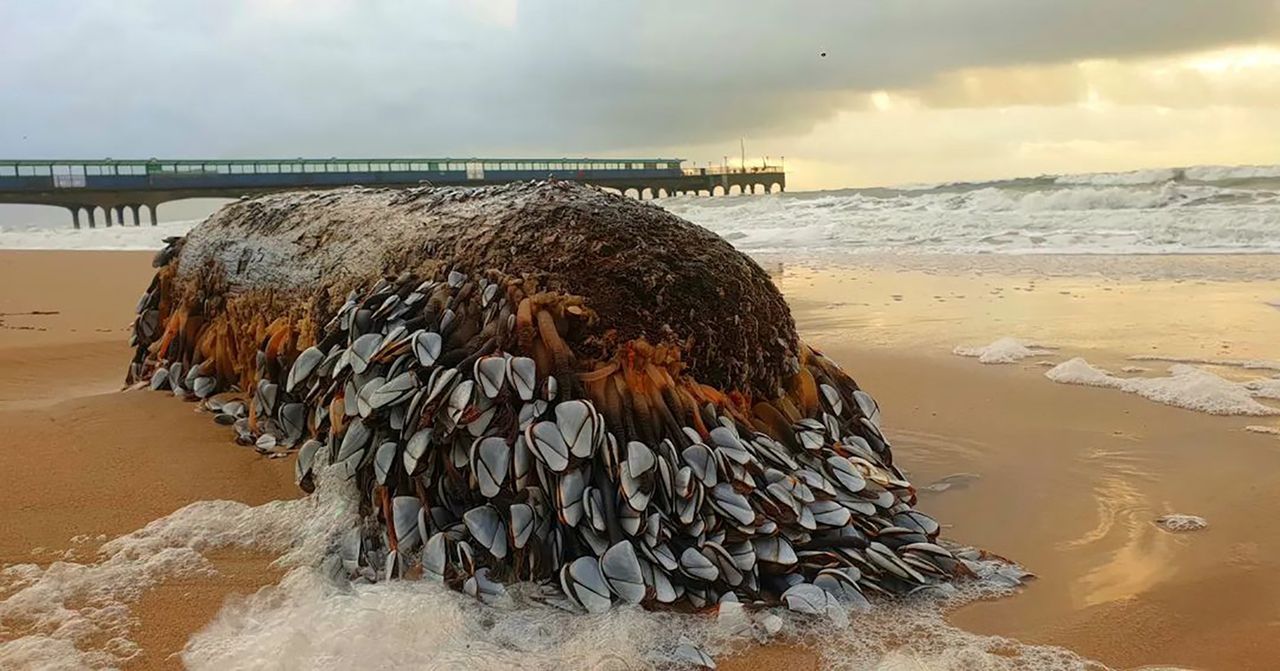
(1199, 209)
(1198, 173)
(1206, 209)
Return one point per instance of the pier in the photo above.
(118, 191)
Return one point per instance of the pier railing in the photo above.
(131, 185)
(48, 168)
(734, 170)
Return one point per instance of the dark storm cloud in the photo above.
(319, 78)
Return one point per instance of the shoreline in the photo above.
(1068, 478)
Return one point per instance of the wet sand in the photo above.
(1070, 477)
(83, 459)
(1067, 480)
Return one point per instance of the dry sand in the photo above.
(1068, 478)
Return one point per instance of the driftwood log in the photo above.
(539, 381)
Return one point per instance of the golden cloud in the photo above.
(1238, 77)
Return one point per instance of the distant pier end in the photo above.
(117, 188)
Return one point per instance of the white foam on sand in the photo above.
(1003, 350)
(1180, 523)
(323, 625)
(57, 617)
(1247, 364)
(1257, 428)
(1264, 388)
(1185, 387)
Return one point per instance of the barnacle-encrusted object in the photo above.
(540, 382)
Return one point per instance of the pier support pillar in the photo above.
(151, 213)
(92, 223)
(75, 216)
(134, 209)
(119, 215)
(106, 215)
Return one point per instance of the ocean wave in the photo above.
(1108, 198)
(102, 238)
(1195, 173)
(1166, 219)
(1230, 173)
(1198, 209)
(1127, 178)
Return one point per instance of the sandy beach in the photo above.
(1064, 479)
(516, 336)
(89, 462)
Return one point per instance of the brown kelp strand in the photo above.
(471, 359)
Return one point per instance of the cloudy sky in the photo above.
(909, 90)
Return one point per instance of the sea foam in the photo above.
(79, 615)
(321, 625)
(1181, 523)
(59, 616)
(1248, 364)
(1185, 387)
(1003, 350)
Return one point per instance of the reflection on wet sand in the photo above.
(1111, 311)
(1141, 560)
(1071, 479)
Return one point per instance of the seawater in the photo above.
(78, 614)
(1204, 209)
(1199, 209)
